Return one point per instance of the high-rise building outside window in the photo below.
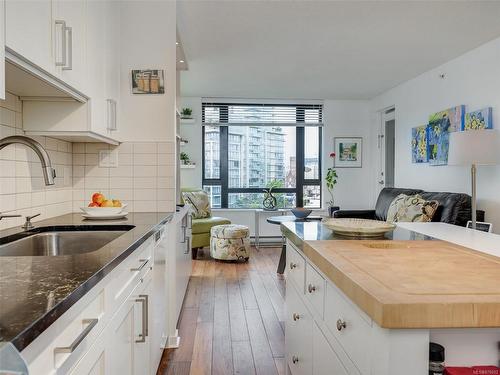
(250, 147)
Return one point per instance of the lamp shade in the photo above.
(480, 147)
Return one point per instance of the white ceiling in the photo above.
(323, 49)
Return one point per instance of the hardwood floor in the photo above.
(232, 321)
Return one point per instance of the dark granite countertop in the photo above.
(299, 232)
(36, 290)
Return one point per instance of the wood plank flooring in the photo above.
(232, 321)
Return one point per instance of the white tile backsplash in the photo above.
(134, 181)
(143, 177)
(22, 188)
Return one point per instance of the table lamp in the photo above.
(473, 148)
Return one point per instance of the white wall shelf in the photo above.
(188, 120)
(188, 166)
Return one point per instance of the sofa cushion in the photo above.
(198, 202)
(385, 199)
(411, 208)
(204, 225)
(454, 208)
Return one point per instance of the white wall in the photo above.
(342, 118)
(472, 79)
(148, 36)
(348, 118)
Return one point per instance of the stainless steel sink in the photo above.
(60, 242)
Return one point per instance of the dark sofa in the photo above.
(454, 208)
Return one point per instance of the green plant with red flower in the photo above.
(331, 181)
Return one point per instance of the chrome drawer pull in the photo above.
(293, 265)
(144, 300)
(144, 262)
(341, 324)
(295, 359)
(311, 288)
(71, 348)
(295, 317)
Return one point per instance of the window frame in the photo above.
(301, 181)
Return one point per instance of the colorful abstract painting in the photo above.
(456, 116)
(481, 119)
(419, 144)
(438, 141)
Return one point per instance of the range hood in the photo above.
(30, 82)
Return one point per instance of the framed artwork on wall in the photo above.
(349, 152)
(148, 81)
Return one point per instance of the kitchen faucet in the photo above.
(49, 173)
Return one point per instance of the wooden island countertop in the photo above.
(413, 284)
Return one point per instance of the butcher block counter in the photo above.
(373, 306)
(413, 284)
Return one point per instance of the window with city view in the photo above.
(250, 147)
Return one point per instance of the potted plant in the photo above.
(331, 181)
(186, 113)
(185, 158)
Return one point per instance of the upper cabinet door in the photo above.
(2, 50)
(29, 31)
(69, 41)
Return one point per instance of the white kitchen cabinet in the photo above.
(179, 267)
(103, 61)
(2, 50)
(29, 26)
(324, 359)
(69, 40)
(119, 341)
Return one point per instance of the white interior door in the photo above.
(386, 149)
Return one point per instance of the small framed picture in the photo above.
(482, 226)
(148, 81)
(349, 151)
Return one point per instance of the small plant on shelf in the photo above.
(185, 158)
(187, 113)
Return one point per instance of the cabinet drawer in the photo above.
(298, 334)
(70, 336)
(131, 270)
(350, 326)
(315, 289)
(325, 360)
(296, 265)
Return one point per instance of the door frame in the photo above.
(384, 115)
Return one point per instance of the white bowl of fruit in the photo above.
(100, 206)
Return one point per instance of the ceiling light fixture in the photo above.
(181, 61)
(176, 43)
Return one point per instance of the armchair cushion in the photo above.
(198, 202)
(204, 225)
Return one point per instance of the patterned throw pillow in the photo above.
(199, 204)
(411, 208)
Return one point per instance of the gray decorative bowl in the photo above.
(300, 212)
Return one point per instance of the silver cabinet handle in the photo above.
(295, 317)
(62, 62)
(71, 348)
(293, 265)
(341, 324)
(311, 288)
(144, 300)
(144, 262)
(295, 359)
(111, 114)
(69, 65)
(188, 245)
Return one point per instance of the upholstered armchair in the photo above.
(201, 227)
